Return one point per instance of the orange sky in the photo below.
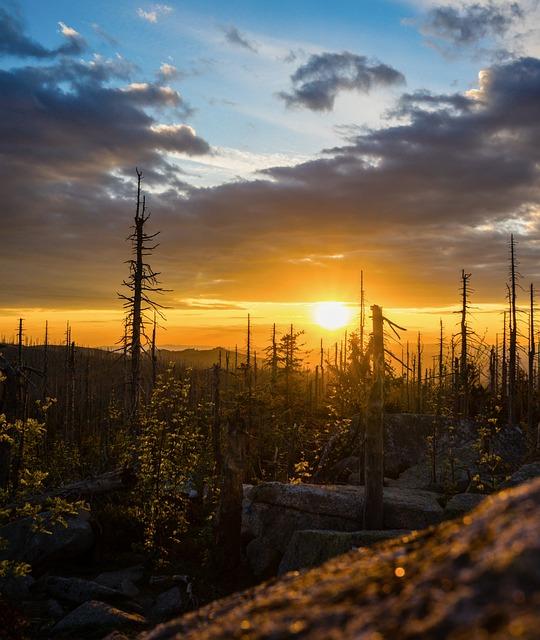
(226, 327)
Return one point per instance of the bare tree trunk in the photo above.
(512, 365)
(419, 376)
(374, 446)
(504, 366)
(229, 513)
(153, 353)
(530, 381)
(464, 359)
(216, 422)
(136, 319)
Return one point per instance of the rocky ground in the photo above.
(478, 577)
(290, 527)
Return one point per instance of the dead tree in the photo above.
(512, 356)
(464, 357)
(153, 352)
(362, 313)
(531, 354)
(504, 365)
(141, 285)
(229, 512)
(419, 375)
(373, 467)
(216, 420)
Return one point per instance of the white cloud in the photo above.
(154, 12)
(67, 31)
(168, 70)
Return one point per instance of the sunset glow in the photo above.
(331, 315)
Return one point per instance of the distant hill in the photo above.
(199, 358)
(195, 358)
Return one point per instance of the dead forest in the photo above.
(183, 470)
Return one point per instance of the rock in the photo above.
(168, 604)
(263, 558)
(94, 616)
(312, 548)
(129, 589)
(462, 503)
(524, 473)
(405, 440)
(341, 471)
(77, 590)
(38, 548)
(16, 587)
(480, 579)
(419, 476)
(114, 579)
(274, 511)
(55, 609)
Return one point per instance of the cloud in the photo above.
(317, 83)
(104, 35)
(71, 132)
(450, 28)
(415, 201)
(236, 38)
(14, 42)
(154, 12)
(168, 72)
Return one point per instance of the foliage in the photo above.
(172, 452)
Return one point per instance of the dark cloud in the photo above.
(468, 25)
(317, 83)
(420, 100)
(14, 41)
(235, 37)
(411, 203)
(71, 133)
(417, 200)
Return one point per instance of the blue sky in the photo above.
(232, 89)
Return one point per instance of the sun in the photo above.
(331, 315)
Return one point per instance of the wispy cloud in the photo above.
(154, 12)
(238, 39)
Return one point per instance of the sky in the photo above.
(285, 146)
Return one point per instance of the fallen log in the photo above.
(116, 480)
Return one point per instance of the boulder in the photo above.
(405, 440)
(95, 616)
(55, 610)
(129, 588)
(23, 544)
(341, 471)
(263, 558)
(312, 548)
(274, 511)
(420, 476)
(476, 579)
(16, 587)
(524, 473)
(462, 503)
(114, 579)
(77, 590)
(168, 604)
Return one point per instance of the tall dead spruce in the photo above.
(141, 284)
